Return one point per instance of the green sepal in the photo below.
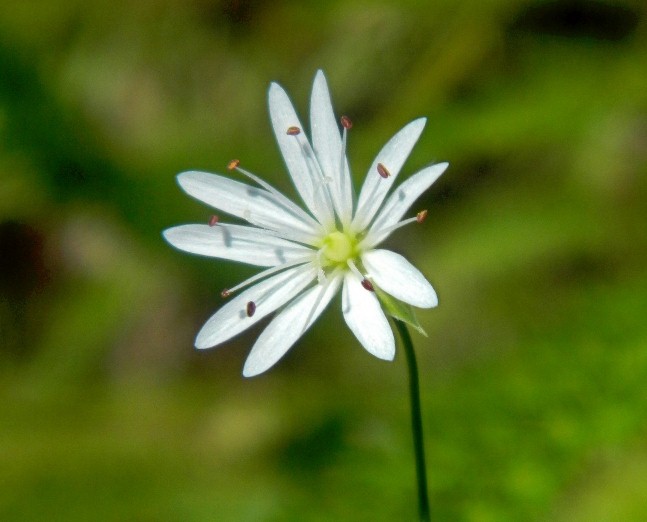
(398, 309)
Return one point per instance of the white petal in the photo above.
(236, 243)
(268, 295)
(365, 318)
(299, 160)
(253, 204)
(396, 276)
(289, 325)
(392, 156)
(401, 199)
(327, 144)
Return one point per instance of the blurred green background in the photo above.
(535, 370)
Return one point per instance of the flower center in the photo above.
(338, 247)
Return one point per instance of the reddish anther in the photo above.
(213, 220)
(346, 122)
(293, 131)
(225, 293)
(368, 285)
(233, 164)
(421, 216)
(251, 308)
(383, 171)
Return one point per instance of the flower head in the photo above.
(308, 255)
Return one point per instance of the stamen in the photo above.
(266, 273)
(296, 236)
(320, 254)
(398, 225)
(213, 220)
(383, 171)
(421, 216)
(368, 285)
(225, 293)
(354, 269)
(346, 124)
(251, 308)
(375, 236)
(360, 216)
(262, 183)
(321, 275)
(311, 159)
(293, 131)
(277, 230)
(295, 209)
(322, 292)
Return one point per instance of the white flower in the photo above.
(310, 254)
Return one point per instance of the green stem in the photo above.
(416, 422)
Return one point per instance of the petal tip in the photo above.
(173, 236)
(320, 76)
(275, 90)
(185, 177)
(431, 300)
(202, 343)
(388, 355)
(439, 169)
(416, 125)
(252, 369)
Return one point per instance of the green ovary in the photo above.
(339, 247)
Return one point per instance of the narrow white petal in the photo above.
(289, 325)
(396, 276)
(299, 159)
(244, 201)
(236, 243)
(392, 156)
(400, 201)
(267, 295)
(365, 318)
(327, 144)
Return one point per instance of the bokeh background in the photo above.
(534, 373)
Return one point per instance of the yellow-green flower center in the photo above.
(339, 247)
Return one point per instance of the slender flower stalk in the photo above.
(416, 422)
(309, 254)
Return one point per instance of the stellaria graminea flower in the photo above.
(310, 254)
